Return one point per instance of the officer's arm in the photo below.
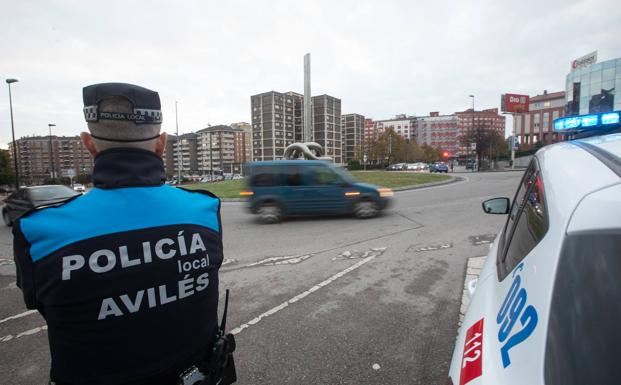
(24, 269)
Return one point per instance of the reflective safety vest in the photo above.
(126, 275)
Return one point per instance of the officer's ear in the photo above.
(160, 145)
(87, 139)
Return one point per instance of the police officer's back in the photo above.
(126, 275)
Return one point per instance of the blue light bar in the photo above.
(610, 118)
(591, 121)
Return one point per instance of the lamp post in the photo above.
(52, 168)
(9, 81)
(179, 161)
(472, 128)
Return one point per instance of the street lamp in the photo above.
(49, 126)
(472, 127)
(179, 160)
(9, 81)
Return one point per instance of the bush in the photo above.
(353, 164)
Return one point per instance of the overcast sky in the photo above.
(380, 58)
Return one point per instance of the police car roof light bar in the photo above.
(605, 121)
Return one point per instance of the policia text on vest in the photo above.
(102, 261)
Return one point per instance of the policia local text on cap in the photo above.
(126, 275)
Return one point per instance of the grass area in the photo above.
(397, 178)
(223, 189)
(231, 188)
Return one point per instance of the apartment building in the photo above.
(187, 145)
(439, 131)
(243, 142)
(273, 124)
(353, 127)
(327, 126)
(488, 119)
(537, 125)
(401, 124)
(36, 163)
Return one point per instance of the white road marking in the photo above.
(286, 260)
(16, 316)
(4, 261)
(298, 297)
(355, 254)
(434, 247)
(228, 261)
(22, 334)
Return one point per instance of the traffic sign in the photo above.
(69, 173)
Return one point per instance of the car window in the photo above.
(263, 177)
(293, 177)
(527, 223)
(518, 199)
(41, 194)
(584, 338)
(324, 176)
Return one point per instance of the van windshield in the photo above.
(347, 177)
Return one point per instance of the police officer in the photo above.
(126, 275)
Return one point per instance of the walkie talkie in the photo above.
(218, 368)
(220, 365)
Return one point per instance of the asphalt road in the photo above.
(324, 300)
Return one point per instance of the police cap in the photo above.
(146, 103)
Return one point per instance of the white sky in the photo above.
(380, 58)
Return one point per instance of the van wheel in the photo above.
(6, 218)
(270, 213)
(365, 209)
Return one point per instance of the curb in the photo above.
(454, 179)
(485, 171)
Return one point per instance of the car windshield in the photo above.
(584, 338)
(346, 176)
(48, 193)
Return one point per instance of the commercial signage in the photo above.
(587, 121)
(514, 103)
(584, 61)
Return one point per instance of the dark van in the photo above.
(309, 187)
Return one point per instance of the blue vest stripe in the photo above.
(101, 212)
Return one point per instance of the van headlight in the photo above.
(385, 192)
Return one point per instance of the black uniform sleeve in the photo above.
(24, 266)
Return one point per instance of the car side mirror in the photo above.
(496, 206)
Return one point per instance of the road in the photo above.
(324, 300)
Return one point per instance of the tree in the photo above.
(488, 142)
(7, 174)
(83, 179)
(430, 154)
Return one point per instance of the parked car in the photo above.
(416, 166)
(27, 198)
(310, 187)
(78, 187)
(545, 308)
(438, 167)
(237, 176)
(470, 164)
(396, 167)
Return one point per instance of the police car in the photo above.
(546, 308)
